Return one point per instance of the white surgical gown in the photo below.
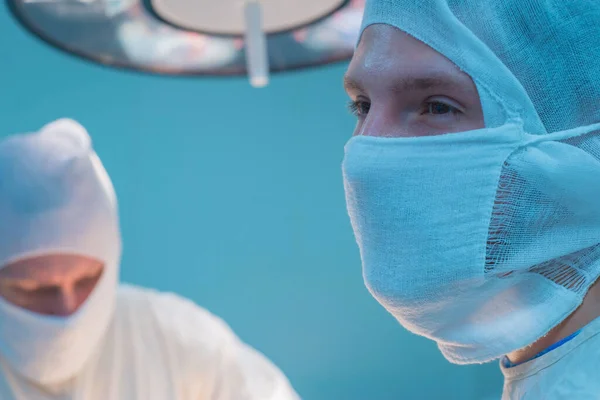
(569, 372)
(163, 347)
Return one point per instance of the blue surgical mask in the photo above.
(483, 240)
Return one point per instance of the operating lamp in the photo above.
(198, 37)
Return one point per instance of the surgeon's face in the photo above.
(52, 284)
(400, 87)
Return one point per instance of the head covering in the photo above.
(56, 198)
(539, 58)
(485, 240)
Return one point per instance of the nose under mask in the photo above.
(483, 240)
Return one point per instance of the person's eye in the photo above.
(359, 108)
(440, 108)
(41, 292)
(87, 282)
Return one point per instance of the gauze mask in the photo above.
(56, 198)
(479, 240)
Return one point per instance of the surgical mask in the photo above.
(483, 240)
(56, 198)
(50, 349)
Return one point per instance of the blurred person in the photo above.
(472, 182)
(68, 329)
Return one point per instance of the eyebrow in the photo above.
(411, 83)
(32, 284)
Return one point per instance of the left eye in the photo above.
(438, 108)
(86, 282)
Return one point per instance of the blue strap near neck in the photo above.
(508, 364)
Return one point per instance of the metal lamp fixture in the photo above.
(198, 37)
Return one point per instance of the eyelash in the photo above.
(355, 105)
(355, 108)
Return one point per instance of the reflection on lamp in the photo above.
(128, 34)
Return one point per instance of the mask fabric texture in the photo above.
(56, 197)
(485, 240)
(449, 252)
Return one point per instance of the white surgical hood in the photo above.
(55, 197)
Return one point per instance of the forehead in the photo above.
(387, 56)
(50, 266)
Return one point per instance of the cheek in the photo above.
(13, 296)
(4, 291)
(428, 125)
(382, 121)
(33, 302)
(357, 127)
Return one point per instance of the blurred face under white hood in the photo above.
(56, 197)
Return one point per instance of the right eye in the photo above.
(359, 108)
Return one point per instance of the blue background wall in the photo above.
(233, 197)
